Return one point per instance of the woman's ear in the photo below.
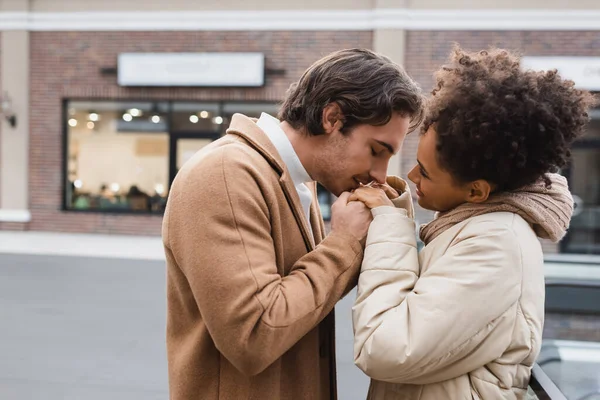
(333, 119)
(479, 191)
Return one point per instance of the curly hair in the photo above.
(498, 122)
(368, 87)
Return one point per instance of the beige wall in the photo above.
(14, 142)
(14, 5)
(178, 5)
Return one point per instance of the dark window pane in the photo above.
(584, 182)
(196, 117)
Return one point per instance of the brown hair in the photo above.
(367, 86)
(498, 122)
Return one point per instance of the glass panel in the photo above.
(252, 110)
(584, 232)
(325, 202)
(196, 117)
(186, 148)
(118, 156)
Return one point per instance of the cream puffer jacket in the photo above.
(461, 320)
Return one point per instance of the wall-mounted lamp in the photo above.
(6, 110)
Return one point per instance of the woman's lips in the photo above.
(419, 193)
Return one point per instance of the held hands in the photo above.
(374, 195)
(350, 217)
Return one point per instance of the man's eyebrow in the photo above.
(422, 167)
(389, 147)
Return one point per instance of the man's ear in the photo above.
(479, 191)
(333, 119)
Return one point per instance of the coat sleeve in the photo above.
(219, 233)
(454, 318)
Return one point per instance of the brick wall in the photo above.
(67, 65)
(427, 50)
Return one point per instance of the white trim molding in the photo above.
(310, 20)
(7, 215)
(484, 20)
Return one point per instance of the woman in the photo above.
(463, 319)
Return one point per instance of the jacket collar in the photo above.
(247, 129)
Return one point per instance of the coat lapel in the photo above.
(316, 219)
(246, 128)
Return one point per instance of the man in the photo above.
(251, 280)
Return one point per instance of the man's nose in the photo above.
(379, 174)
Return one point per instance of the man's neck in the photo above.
(304, 145)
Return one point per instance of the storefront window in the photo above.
(252, 110)
(196, 117)
(325, 201)
(584, 182)
(117, 156)
(123, 156)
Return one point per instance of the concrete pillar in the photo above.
(392, 43)
(14, 141)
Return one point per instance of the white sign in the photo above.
(584, 71)
(192, 69)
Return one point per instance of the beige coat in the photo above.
(461, 320)
(250, 296)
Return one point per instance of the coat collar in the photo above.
(247, 129)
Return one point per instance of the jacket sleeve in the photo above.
(219, 234)
(454, 318)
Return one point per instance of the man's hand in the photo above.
(372, 197)
(351, 217)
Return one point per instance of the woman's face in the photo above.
(436, 189)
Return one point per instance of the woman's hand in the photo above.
(389, 191)
(374, 196)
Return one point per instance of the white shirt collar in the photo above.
(270, 125)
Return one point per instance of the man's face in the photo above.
(360, 156)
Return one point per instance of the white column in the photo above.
(14, 141)
(392, 43)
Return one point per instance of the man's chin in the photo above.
(336, 191)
